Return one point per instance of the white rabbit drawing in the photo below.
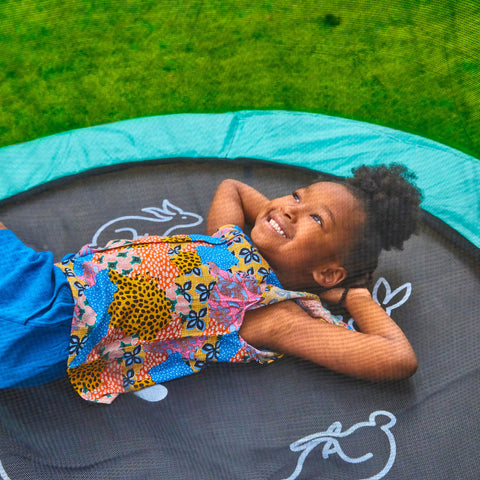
(168, 212)
(332, 440)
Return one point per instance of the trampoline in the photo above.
(291, 419)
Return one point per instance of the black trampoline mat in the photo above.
(240, 421)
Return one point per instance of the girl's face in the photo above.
(308, 230)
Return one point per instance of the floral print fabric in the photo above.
(158, 308)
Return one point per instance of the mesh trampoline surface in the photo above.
(290, 419)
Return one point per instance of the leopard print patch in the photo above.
(86, 377)
(139, 307)
(186, 261)
(139, 384)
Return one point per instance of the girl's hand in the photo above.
(234, 203)
(332, 296)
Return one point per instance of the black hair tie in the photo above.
(342, 298)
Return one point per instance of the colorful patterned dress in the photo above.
(158, 308)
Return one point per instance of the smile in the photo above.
(276, 227)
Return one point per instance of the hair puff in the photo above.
(391, 202)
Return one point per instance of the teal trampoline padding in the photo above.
(449, 179)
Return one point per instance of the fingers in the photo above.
(334, 295)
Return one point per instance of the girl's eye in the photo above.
(318, 220)
(295, 196)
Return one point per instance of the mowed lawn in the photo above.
(408, 64)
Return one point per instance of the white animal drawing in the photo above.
(129, 226)
(331, 440)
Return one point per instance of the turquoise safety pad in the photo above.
(449, 179)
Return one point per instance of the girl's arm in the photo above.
(234, 203)
(380, 352)
(2, 226)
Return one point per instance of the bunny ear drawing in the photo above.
(399, 295)
(158, 213)
(169, 208)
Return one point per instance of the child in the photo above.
(158, 308)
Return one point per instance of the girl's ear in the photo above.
(329, 275)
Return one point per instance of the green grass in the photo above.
(408, 64)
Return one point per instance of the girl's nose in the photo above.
(291, 212)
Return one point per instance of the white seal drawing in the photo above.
(331, 440)
(131, 224)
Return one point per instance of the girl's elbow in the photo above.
(402, 367)
(410, 365)
(388, 367)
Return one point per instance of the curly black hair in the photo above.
(391, 202)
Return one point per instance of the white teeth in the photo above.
(276, 227)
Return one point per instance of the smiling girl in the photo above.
(308, 239)
(158, 308)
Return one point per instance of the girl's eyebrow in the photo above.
(330, 214)
(324, 207)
